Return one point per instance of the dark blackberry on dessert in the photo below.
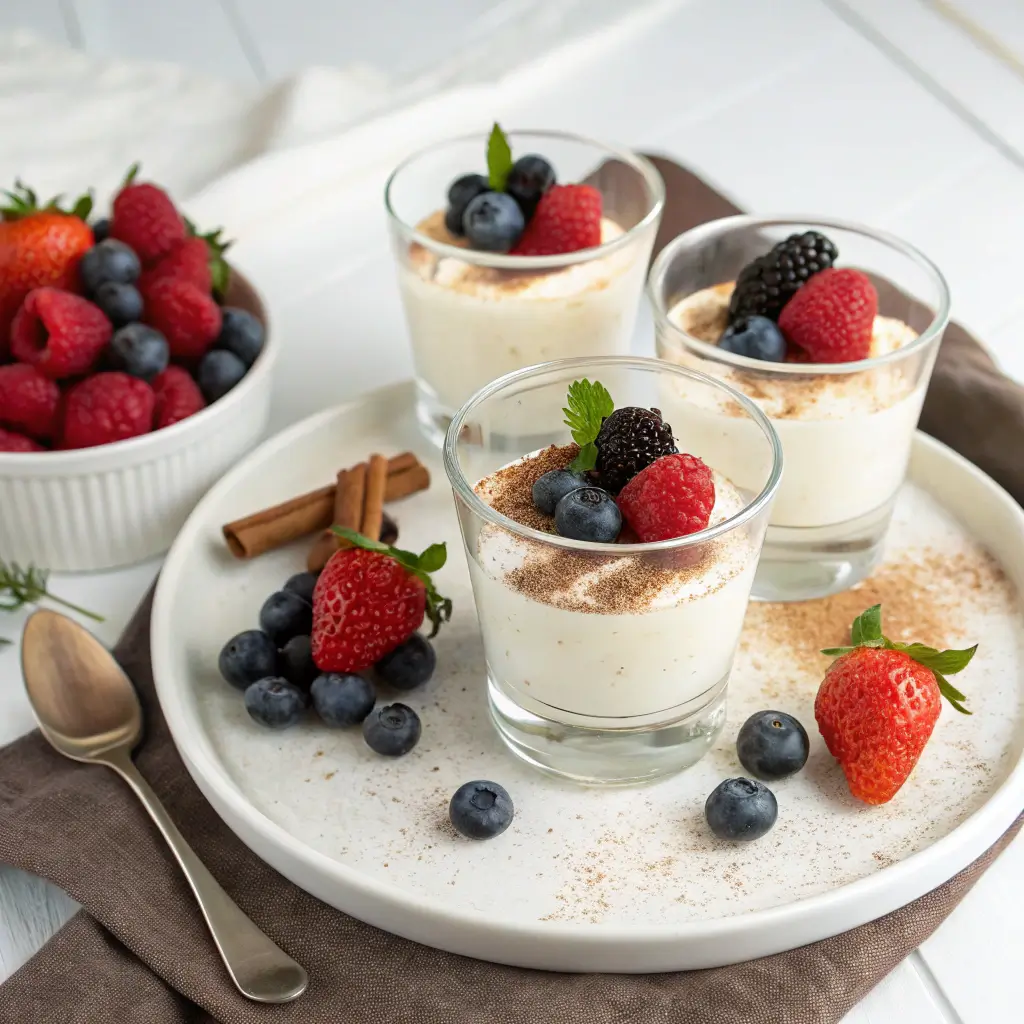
(631, 439)
(461, 193)
(766, 285)
(531, 176)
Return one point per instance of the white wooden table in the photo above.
(901, 113)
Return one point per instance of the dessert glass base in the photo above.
(609, 752)
(799, 563)
(432, 415)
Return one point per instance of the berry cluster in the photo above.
(792, 303)
(518, 207)
(628, 470)
(111, 331)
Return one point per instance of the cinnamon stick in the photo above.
(274, 527)
(373, 506)
(349, 499)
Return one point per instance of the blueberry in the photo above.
(101, 230)
(756, 337)
(409, 665)
(588, 513)
(481, 810)
(285, 615)
(303, 584)
(531, 176)
(219, 371)
(392, 730)
(345, 700)
(241, 333)
(552, 487)
(494, 222)
(121, 302)
(772, 745)
(275, 703)
(461, 193)
(137, 350)
(297, 665)
(111, 260)
(247, 657)
(741, 809)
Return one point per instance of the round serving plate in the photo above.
(592, 879)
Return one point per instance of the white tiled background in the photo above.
(907, 114)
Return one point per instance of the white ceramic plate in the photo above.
(587, 879)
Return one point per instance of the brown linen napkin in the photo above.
(139, 951)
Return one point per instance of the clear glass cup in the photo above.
(474, 316)
(846, 428)
(606, 663)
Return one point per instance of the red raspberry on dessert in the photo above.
(831, 318)
(61, 334)
(105, 408)
(878, 704)
(144, 218)
(371, 598)
(185, 315)
(177, 397)
(29, 401)
(672, 497)
(11, 442)
(567, 219)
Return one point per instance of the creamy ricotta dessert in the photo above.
(587, 637)
(846, 437)
(471, 323)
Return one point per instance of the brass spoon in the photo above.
(88, 710)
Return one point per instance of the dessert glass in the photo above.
(474, 316)
(606, 663)
(846, 428)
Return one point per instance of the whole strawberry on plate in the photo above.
(370, 598)
(878, 704)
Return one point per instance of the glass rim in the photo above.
(465, 490)
(930, 334)
(503, 261)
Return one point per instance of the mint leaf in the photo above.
(499, 159)
(4, 642)
(588, 406)
(951, 693)
(585, 461)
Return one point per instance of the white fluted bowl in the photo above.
(117, 504)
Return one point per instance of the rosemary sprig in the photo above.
(21, 586)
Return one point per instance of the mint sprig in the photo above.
(499, 159)
(587, 407)
(439, 609)
(866, 631)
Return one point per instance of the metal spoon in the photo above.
(88, 710)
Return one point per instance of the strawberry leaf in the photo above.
(867, 627)
(499, 159)
(836, 652)
(439, 609)
(951, 693)
(220, 272)
(946, 662)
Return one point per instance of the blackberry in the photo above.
(766, 285)
(629, 441)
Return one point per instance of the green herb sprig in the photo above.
(587, 407)
(499, 159)
(29, 585)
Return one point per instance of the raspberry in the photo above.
(188, 318)
(630, 440)
(145, 219)
(187, 261)
(832, 317)
(567, 218)
(10, 442)
(177, 397)
(105, 408)
(364, 605)
(672, 497)
(61, 334)
(28, 401)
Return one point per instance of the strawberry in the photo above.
(199, 259)
(369, 599)
(38, 246)
(567, 218)
(61, 334)
(672, 497)
(144, 218)
(177, 397)
(11, 442)
(186, 316)
(832, 317)
(104, 408)
(28, 401)
(879, 702)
